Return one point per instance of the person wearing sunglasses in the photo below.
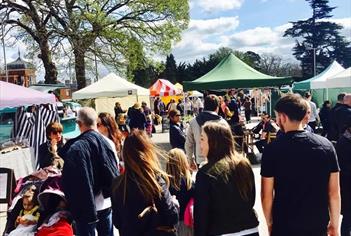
(47, 153)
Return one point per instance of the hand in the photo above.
(193, 165)
(332, 230)
(54, 145)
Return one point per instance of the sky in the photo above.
(255, 25)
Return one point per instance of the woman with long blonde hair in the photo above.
(141, 202)
(225, 187)
(181, 185)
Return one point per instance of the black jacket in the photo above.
(45, 158)
(343, 149)
(183, 196)
(176, 136)
(90, 167)
(333, 126)
(137, 119)
(125, 214)
(218, 206)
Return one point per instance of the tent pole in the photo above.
(270, 102)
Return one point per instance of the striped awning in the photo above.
(163, 88)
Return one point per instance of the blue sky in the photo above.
(256, 25)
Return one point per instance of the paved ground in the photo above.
(162, 140)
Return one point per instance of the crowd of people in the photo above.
(203, 186)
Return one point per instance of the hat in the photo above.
(136, 105)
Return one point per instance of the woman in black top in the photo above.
(47, 153)
(225, 187)
(141, 202)
(324, 116)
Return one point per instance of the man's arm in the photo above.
(267, 187)
(334, 203)
(190, 147)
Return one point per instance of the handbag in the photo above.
(189, 214)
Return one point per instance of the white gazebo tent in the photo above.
(319, 85)
(110, 89)
(321, 81)
(340, 80)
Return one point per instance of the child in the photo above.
(180, 185)
(28, 217)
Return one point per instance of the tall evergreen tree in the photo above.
(320, 36)
(171, 69)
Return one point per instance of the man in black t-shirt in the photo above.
(300, 177)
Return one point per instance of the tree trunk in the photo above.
(49, 65)
(79, 67)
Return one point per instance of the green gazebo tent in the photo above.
(231, 72)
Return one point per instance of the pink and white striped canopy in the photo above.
(163, 88)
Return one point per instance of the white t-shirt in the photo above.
(102, 203)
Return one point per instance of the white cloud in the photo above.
(196, 42)
(213, 26)
(217, 5)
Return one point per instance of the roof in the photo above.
(19, 64)
(231, 72)
(319, 79)
(110, 86)
(163, 87)
(12, 95)
(47, 87)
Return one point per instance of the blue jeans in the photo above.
(104, 226)
(346, 225)
(85, 229)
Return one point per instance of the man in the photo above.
(90, 166)
(314, 115)
(343, 148)
(300, 177)
(192, 143)
(266, 126)
(332, 129)
(343, 115)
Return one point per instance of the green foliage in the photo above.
(320, 35)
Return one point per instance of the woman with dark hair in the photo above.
(141, 202)
(225, 187)
(176, 132)
(48, 151)
(107, 126)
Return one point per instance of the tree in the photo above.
(318, 36)
(273, 65)
(118, 32)
(171, 69)
(33, 21)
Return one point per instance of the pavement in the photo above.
(162, 140)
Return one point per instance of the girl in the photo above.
(225, 187)
(180, 185)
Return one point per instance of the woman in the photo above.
(118, 110)
(108, 127)
(47, 153)
(141, 202)
(176, 133)
(225, 187)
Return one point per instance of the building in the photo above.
(20, 72)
